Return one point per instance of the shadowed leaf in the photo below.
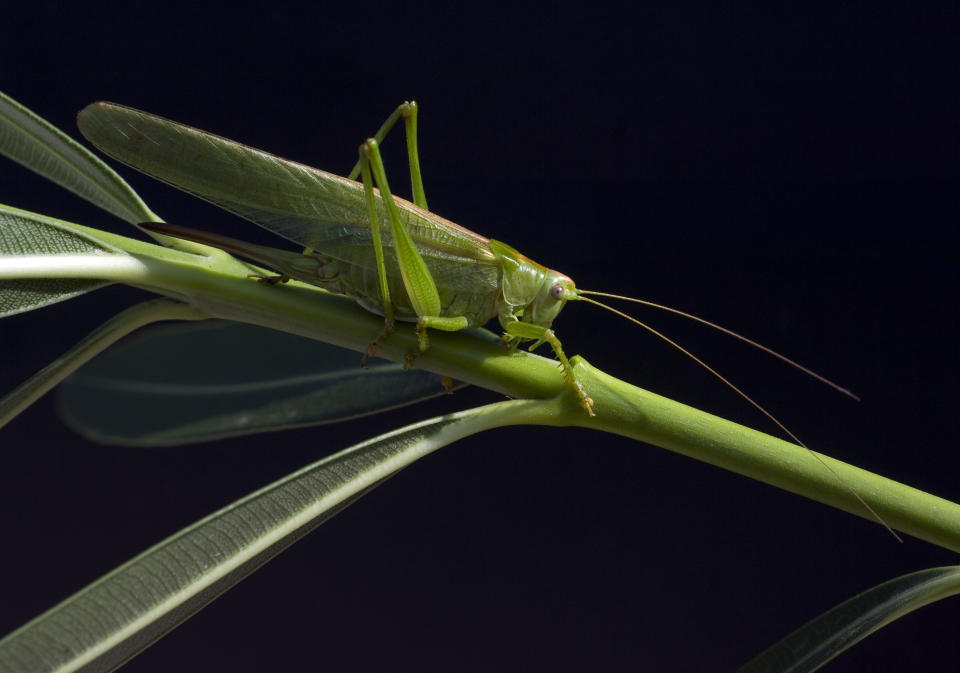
(192, 383)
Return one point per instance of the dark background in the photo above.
(788, 172)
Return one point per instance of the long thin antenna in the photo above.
(720, 328)
(750, 400)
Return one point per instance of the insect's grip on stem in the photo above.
(522, 330)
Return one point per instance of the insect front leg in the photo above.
(523, 330)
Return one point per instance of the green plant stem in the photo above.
(218, 286)
(637, 413)
(621, 408)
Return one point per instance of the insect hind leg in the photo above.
(408, 112)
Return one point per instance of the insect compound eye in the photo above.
(557, 292)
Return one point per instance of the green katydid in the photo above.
(422, 268)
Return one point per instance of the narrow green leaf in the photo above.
(32, 141)
(27, 234)
(817, 642)
(90, 346)
(179, 384)
(122, 613)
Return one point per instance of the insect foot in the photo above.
(509, 342)
(585, 400)
(373, 345)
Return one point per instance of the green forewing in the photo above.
(313, 208)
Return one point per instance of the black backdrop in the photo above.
(789, 173)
